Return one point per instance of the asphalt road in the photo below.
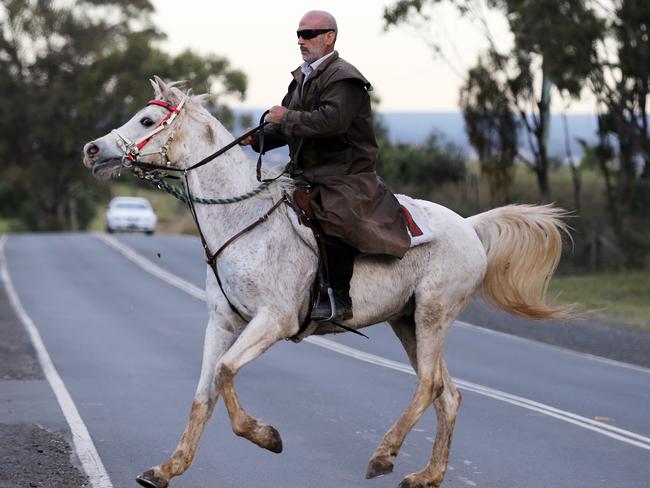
(127, 346)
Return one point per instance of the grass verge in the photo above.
(616, 298)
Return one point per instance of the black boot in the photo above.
(340, 266)
(322, 311)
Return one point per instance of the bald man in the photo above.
(326, 119)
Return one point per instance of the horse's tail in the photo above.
(523, 245)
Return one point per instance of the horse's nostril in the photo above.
(92, 149)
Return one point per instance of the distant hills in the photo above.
(415, 127)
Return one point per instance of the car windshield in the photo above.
(131, 206)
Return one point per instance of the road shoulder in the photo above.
(588, 336)
(35, 442)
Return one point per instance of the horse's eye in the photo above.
(146, 121)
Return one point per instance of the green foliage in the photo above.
(554, 43)
(69, 72)
(401, 11)
(569, 44)
(564, 33)
(621, 298)
(416, 169)
(491, 127)
(621, 82)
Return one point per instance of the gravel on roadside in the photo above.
(31, 455)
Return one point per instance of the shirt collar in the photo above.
(307, 68)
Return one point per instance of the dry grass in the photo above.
(616, 298)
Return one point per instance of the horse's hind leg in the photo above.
(384, 456)
(260, 334)
(446, 406)
(423, 340)
(217, 341)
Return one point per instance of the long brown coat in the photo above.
(332, 145)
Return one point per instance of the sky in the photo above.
(258, 37)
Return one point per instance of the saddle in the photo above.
(300, 202)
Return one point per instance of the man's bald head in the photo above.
(319, 19)
(313, 48)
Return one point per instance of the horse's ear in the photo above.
(164, 90)
(204, 98)
(157, 93)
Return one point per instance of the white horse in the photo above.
(508, 253)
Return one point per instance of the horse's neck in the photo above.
(230, 175)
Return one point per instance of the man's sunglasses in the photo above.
(311, 33)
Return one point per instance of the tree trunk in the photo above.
(542, 138)
(575, 171)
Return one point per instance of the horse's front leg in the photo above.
(217, 341)
(262, 332)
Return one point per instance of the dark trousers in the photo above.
(340, 264)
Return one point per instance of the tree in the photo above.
(491, 127)
(418, 168)
(554, 44)
(621, 82)
(70, 71)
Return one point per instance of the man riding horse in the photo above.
(326, 119)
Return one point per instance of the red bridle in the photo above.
(132, 149)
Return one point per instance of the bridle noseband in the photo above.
(145, 170)
(132, 149)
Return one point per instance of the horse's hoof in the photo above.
(419, 480)
(407, 483)
(273, 440)
(149, 479)
(379, 466)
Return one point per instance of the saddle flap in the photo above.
(413, 228)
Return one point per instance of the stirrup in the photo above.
(330, 296)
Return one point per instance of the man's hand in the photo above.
(276, 114)
(248, 140)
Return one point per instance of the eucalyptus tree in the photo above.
(491, 128)
(68, 71)
(621, 83)
(554, 45)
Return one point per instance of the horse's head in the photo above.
(145, 138)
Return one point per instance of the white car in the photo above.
(130, 214)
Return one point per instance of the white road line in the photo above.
(83, 443)
(152, 268)
(622, 435)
